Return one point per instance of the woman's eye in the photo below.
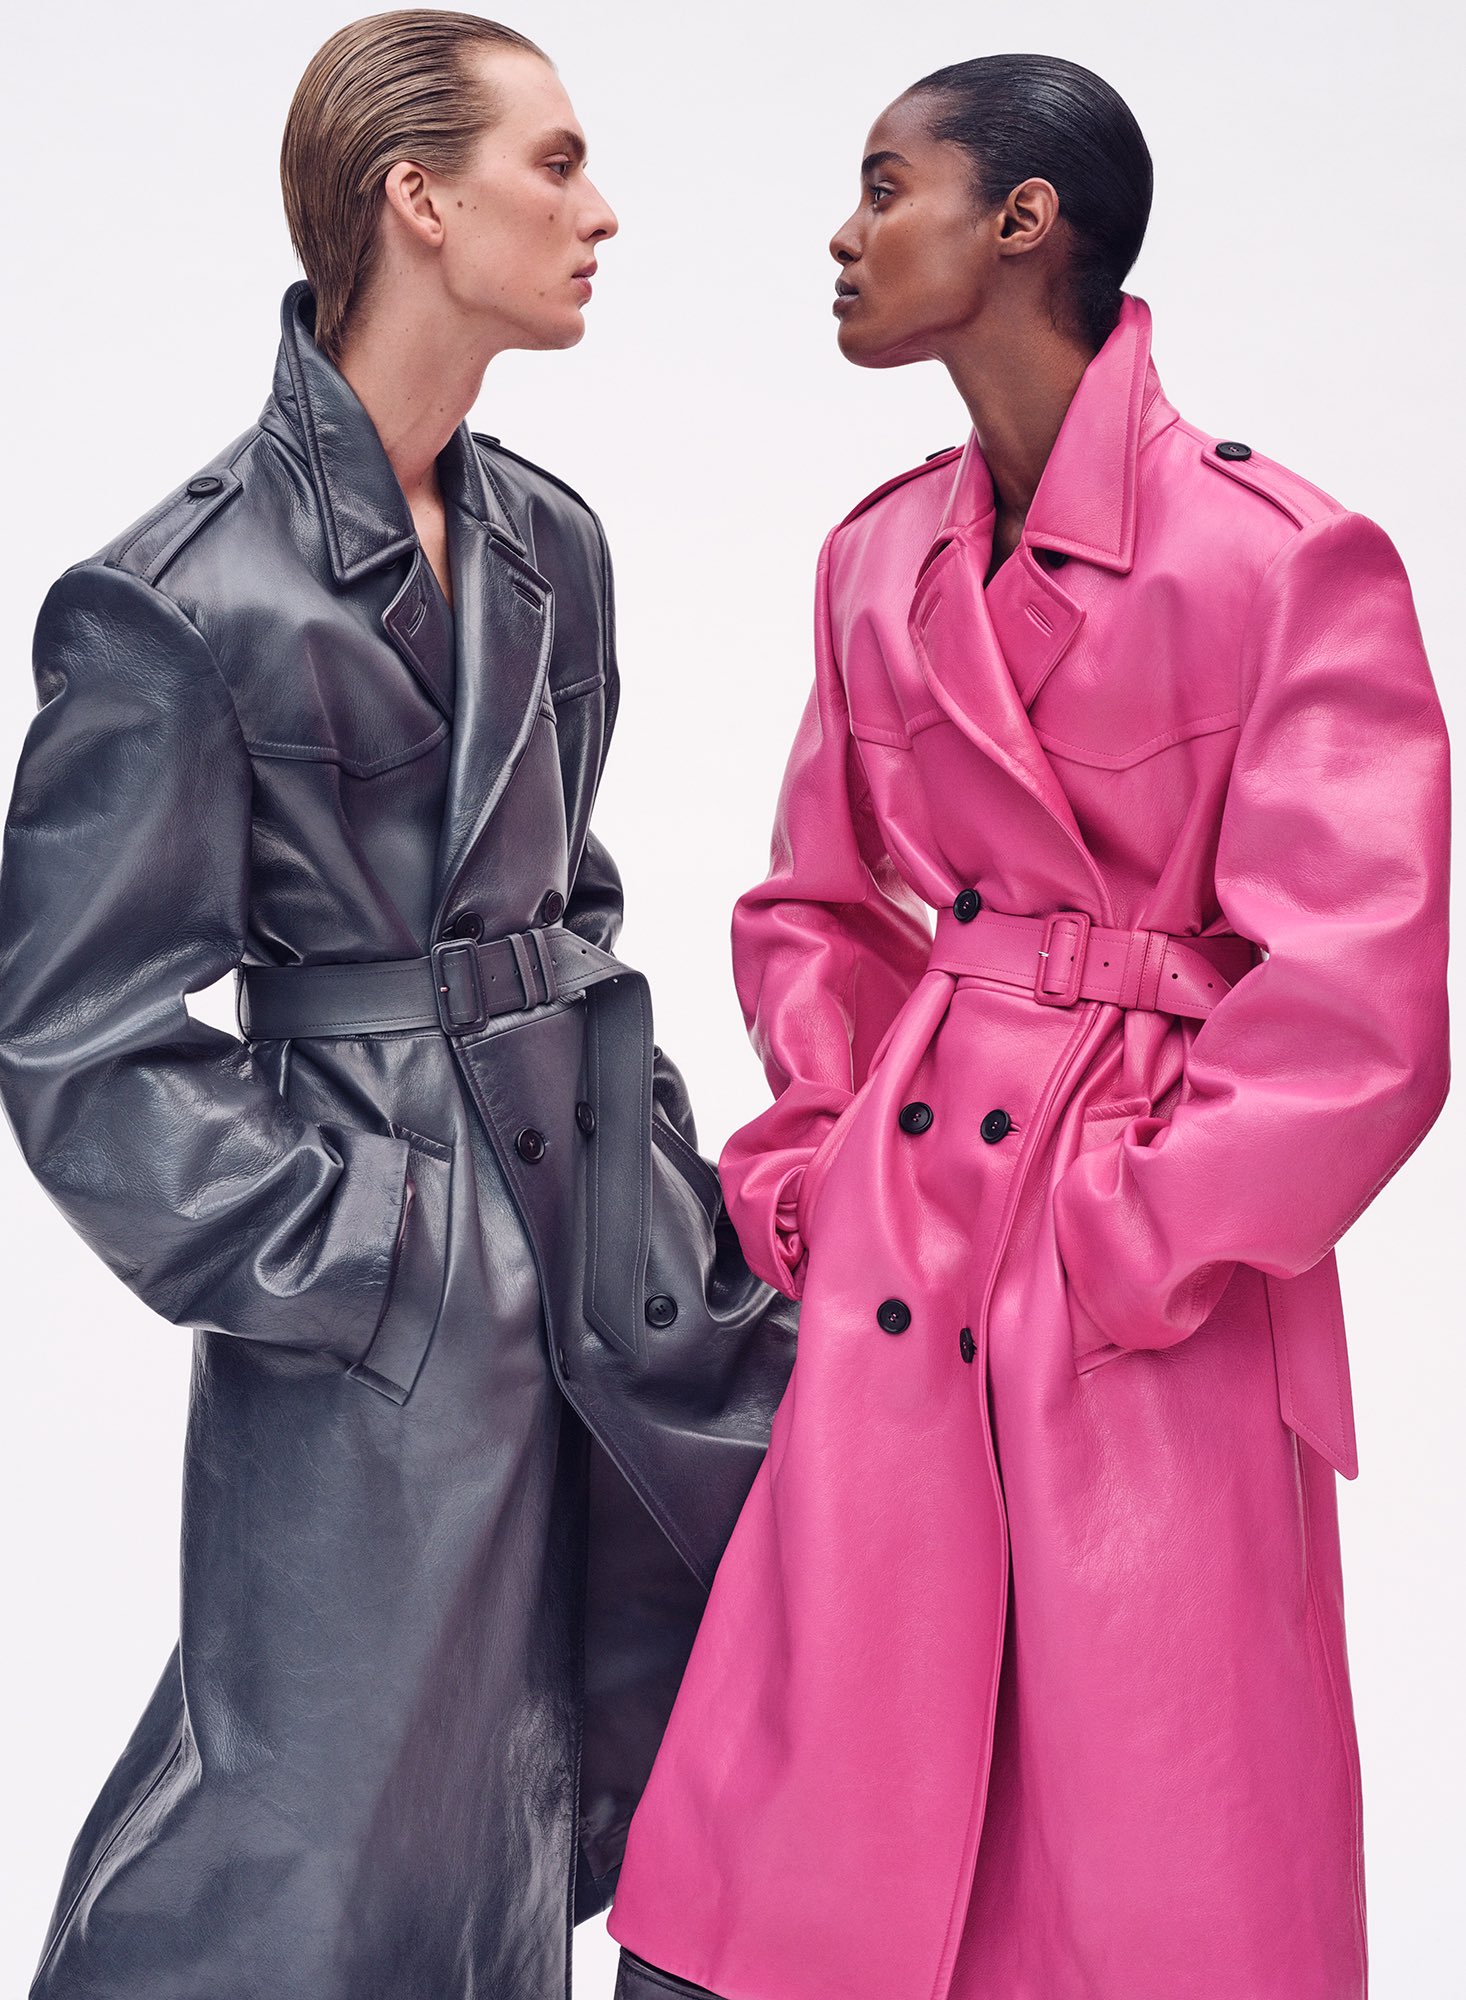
(876, 194)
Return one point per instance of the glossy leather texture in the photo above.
(454, 1486)
(1024, 1676)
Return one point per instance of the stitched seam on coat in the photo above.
(98, 1860)
(318, 753)
(1083, 753)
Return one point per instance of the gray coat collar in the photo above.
(364, 511)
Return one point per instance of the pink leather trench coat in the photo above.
(1024, 1673)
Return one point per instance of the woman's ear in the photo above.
(1027, 217)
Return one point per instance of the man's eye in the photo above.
(560, 167)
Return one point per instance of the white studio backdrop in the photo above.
(1304, 267)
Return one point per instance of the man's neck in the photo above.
(417, 374)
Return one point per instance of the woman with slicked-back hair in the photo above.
(1024, 1675)
(480, 1375)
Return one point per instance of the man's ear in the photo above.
(409, 198)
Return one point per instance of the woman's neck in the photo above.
(1017, 375)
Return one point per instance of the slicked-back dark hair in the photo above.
(1022, 117)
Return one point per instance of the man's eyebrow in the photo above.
(873, 161)
(565, 141)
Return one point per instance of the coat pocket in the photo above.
(1100, 1124)
(817, 1167)
(418, 1279)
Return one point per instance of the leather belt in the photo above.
(1063, 958)
(461, 984)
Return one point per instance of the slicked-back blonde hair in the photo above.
(389, 87)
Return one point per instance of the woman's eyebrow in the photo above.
(873, 161)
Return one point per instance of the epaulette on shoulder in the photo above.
(147, 547)
(1298, 498)
(931, 463)
(502, 450)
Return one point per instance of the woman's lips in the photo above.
(844, 300)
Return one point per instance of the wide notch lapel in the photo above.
(986, 653)
(504, 625)
(967, 670)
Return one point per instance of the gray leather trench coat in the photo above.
(480, 1376)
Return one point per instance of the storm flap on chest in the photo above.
(342, 682)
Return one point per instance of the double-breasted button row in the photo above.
(530, 1144)
(916, 1117)
(893, 1316)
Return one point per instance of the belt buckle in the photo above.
(448, 985)
(1068, 993)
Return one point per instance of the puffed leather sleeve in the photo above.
(1324, 1067)
(124, 884)
(825, 953)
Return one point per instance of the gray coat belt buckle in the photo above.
(457, 988)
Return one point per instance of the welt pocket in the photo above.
(418, 1278)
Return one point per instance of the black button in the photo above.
(1051, 558)
(530, 1145)
(893, 1316)
(1229, 448)
(914, 1117)
(660, 1310)
(996, 1125)
(967, 1344)
(464, 924)
(585, 1118)
(205, 484)
(967, 906)
(552, 908)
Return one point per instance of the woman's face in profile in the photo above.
(917, 255)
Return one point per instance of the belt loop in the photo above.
(1156, 943)
(535, 967)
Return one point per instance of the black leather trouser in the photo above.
(636, 1980)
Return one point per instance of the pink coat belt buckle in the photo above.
(1061, 957)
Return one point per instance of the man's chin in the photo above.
(548, 336)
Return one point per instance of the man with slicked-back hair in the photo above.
(481, 1377)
